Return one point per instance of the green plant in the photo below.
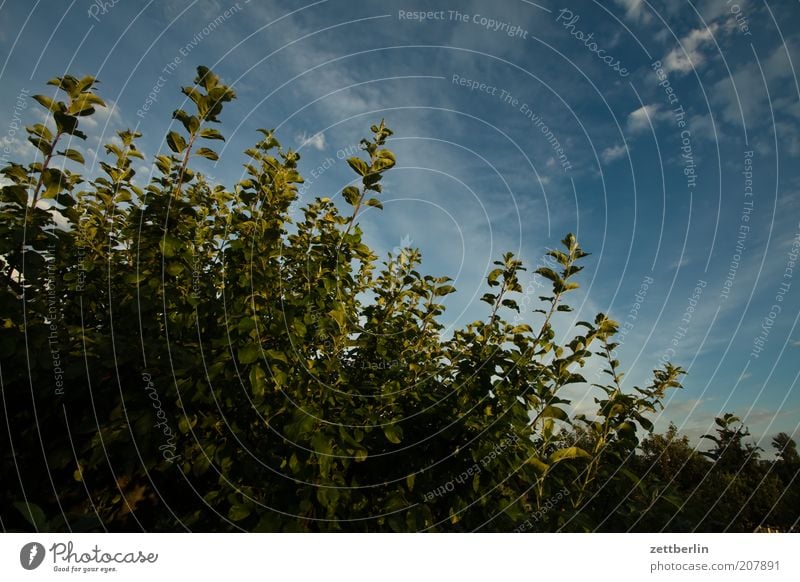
(223, 367)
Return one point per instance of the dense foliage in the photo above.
(183, 356)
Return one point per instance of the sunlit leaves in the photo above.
(211, 133)
(351, 195)
(358, 165)
(568, 453)
(207, 153)
(190, 122)
(384, 160)
(48, 103)
(176, 142)
(73, 155)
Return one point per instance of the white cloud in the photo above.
(635, 10)
(614, 153)
(20, 151)
(688, 55)
(681, 263)
(316, 141)
(643, 117)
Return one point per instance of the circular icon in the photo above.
(31, 555)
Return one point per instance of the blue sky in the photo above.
(665, 135)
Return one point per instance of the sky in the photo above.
(663, 134)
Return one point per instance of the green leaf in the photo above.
(48, 103)
(522, 328)
(42, 145)
(169, 245)
(163, 164)
(67, 124)
(176, 142)
(211, 133)
(192, 94)
(41, 131)
(83, 105)
(279, 377)
(249, 354)
(66, 83)
(539, 466)
(574, 379)
(18, 194)
(207, 153)
(85, 83)
(339, 316)
(53, 180)
(386, 155)
(328, 496)
(239, 512)
(511, 304)
(374, 202)
(321, 444)
(173, 268)
(393, 433)
(276, 355)
(554, 412)
(73, 155)
(206, 78)
(186, 424)
(258, 380)
(384, 161)
(548, 273)
(443, 290)
(190, 122)
(33, 514)
(639, 483)
(358, 165)
(351, 195)
(135, 278)
(568, 453)
(626, 428)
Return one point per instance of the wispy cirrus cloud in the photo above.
(316, 141)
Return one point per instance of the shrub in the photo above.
(183, 356)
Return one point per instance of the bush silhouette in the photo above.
(180, 356)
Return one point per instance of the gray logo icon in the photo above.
(31, 555)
